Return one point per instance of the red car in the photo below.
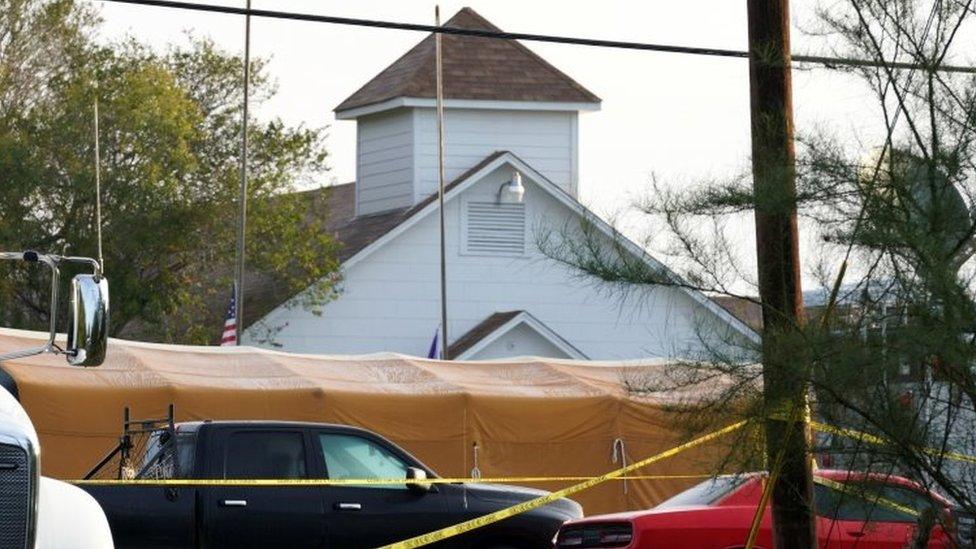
(854, 510)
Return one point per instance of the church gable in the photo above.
(510, 334)
(390, 298)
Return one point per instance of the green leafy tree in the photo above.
(170, 126)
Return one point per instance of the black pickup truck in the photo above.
(334, 516)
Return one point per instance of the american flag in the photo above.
(229, 336)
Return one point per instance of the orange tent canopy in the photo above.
(530, 417)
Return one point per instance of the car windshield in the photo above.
(902, 495)
(870, 501)
(706, 492)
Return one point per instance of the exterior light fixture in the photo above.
(512, 192)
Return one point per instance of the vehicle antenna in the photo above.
(98, 187)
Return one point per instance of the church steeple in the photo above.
(499, 95)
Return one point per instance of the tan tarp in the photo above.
(530, 417)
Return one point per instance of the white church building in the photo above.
(508, 114)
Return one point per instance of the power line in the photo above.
(829, 62)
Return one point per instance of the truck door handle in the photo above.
(855, 533)
(233, 503)
(341, 506)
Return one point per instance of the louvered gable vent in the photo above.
(494, 229)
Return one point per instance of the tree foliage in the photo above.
(170, 126)
(890, 350)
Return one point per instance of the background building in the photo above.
(507, 112)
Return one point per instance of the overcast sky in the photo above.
(684, 118)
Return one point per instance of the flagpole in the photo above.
(242, 198)
(440, 179)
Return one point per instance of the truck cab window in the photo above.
(352, 457)
(169, 457)
(265, 454)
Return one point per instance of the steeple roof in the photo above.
(475, 68)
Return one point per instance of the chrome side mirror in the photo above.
(87, 315)
(87, 320)
(419, 475)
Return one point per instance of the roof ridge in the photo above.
(475, 68)
(427, 42)
(468, 10)
(525, 49)
(398, 60)
(553, 69)
(421, 70)
(546, 65)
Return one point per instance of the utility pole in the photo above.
(777, 245)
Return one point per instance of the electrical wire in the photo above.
(828, 62)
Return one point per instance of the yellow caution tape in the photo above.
(357, 481)
(874, 439)
(491, 518)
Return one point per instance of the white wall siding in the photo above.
(546, 140)
(385, 161)
(390, 300)
(397, 150)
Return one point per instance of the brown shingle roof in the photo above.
(474, 68)
(746, 310)
(481, 331)
(338, 204)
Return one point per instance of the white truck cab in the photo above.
(35, 511)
